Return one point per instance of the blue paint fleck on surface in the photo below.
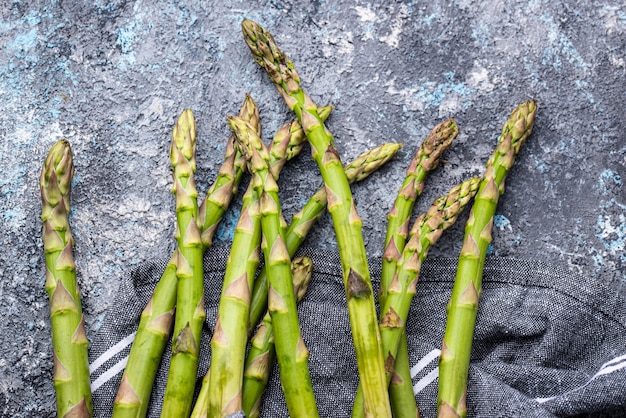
(501, 222)
(98, 322)
(560, 46)
(449, 75)
(610, 175)
(610, 228)
(611, 231)
(433, 94)
(481, 36)
(126, 38)
(26, 41)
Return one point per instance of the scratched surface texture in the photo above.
(112, 77)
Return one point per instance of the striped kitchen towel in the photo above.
(547, 343)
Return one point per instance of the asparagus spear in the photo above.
(426, 230)
(229, 338)
(303, 221)
(156, 320)
(69, 341)
(290, 348)
(190, 312)
(425, 160)
(228, 178)
(401, 387)
(201, 408)
(457, 341)
(286, 144)
(346, 221)
(261, 354)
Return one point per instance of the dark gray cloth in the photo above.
(547, 343)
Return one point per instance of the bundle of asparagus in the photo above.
(156, 319)
(257, 320)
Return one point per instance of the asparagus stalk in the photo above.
(201, 408)
(156, 319)
(228, 344)
(426, 230)
(457, 341)
(220, 194)
(288, 142)
(190, 312)
(346, 221)
(401, 387)
(261, 354)
(303, 221)
(425, 160)
(290, 348)
(69, 341)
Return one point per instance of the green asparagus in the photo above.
(426, 230)
(457, 341)
(201, 407)
(346, 221)
(255, 375)
(190, 313)
(156, 319)
(401, 387)
(287, 143)
(69, 341)
(303, 221)
(229, 338)
(290, 349)
(261, 354)
(425, 160)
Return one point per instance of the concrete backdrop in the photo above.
(112, 77)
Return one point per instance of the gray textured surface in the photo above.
(113, 76)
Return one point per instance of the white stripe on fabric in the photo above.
(615, 360)
(106, 376)
(610, 369)
(426, 380)
(607, 368)
(107, 355)
(424, 361)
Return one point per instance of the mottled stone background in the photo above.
(112, 76)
